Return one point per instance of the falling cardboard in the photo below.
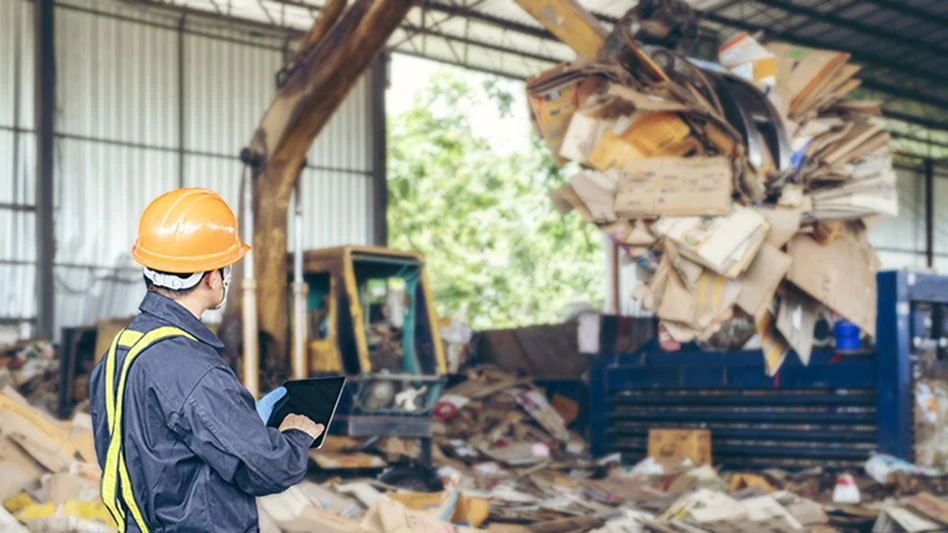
(796, 321)
(675, 187)
(841, 275)
(725, 244)
(760, 282)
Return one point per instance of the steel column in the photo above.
(893, 365)
(44, 109)
(929, 166)
(378, 76)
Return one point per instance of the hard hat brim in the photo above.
(177, 265)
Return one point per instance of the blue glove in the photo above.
(268, 404)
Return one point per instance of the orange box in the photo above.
(675, 445)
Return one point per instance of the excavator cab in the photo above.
(370, 316)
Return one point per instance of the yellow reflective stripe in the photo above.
(128, 338)
(108, 484)
(115, 458)
(129, 497)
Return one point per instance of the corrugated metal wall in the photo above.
(148, 101)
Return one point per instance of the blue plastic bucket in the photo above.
(847, 335)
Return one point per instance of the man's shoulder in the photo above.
(174, 366)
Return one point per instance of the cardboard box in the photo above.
(674, 445)
(554, 95)
(641, 135)
(841, 275)
(675, 186)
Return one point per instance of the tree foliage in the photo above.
(495, 249)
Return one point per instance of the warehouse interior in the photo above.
(792, 378)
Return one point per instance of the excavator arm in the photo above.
(332, 55)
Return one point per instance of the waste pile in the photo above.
(30, 367)
(50, 479)
(507, 462)
(742, 188)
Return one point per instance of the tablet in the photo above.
(315, 398)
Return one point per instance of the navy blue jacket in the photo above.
(196, 450)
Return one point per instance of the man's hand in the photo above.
(303, 424)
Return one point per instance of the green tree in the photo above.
(494, 246)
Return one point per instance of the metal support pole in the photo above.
(181, 108)
(249, 288)
(616, 283)
(379, 150)
(300, 367)
(929, 213)
(45, 108)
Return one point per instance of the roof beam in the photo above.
(915, 119)
(816, 43)
(853, 25)
(901, 6)
(905, 94)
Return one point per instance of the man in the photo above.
(180, 443)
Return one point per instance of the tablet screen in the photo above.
(315, 398)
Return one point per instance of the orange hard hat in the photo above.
(188, 230)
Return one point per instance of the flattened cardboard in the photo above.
(759, 283)
(535, 404)
(346, 461)
(897, 520)
(565, 200)
(597, 190)
(784, 224)
(20, 471)
(841, 275)
(808, 512)
(772, 343)
(582, 136)
(724, 244)
(645, 102)
(387, 516)
(677, 304)
(675, 186)
(796, 321)
(766, 508)
(931, 506)
(802, 71)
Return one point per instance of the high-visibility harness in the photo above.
(115, 473)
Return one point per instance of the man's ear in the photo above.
(212, 279)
